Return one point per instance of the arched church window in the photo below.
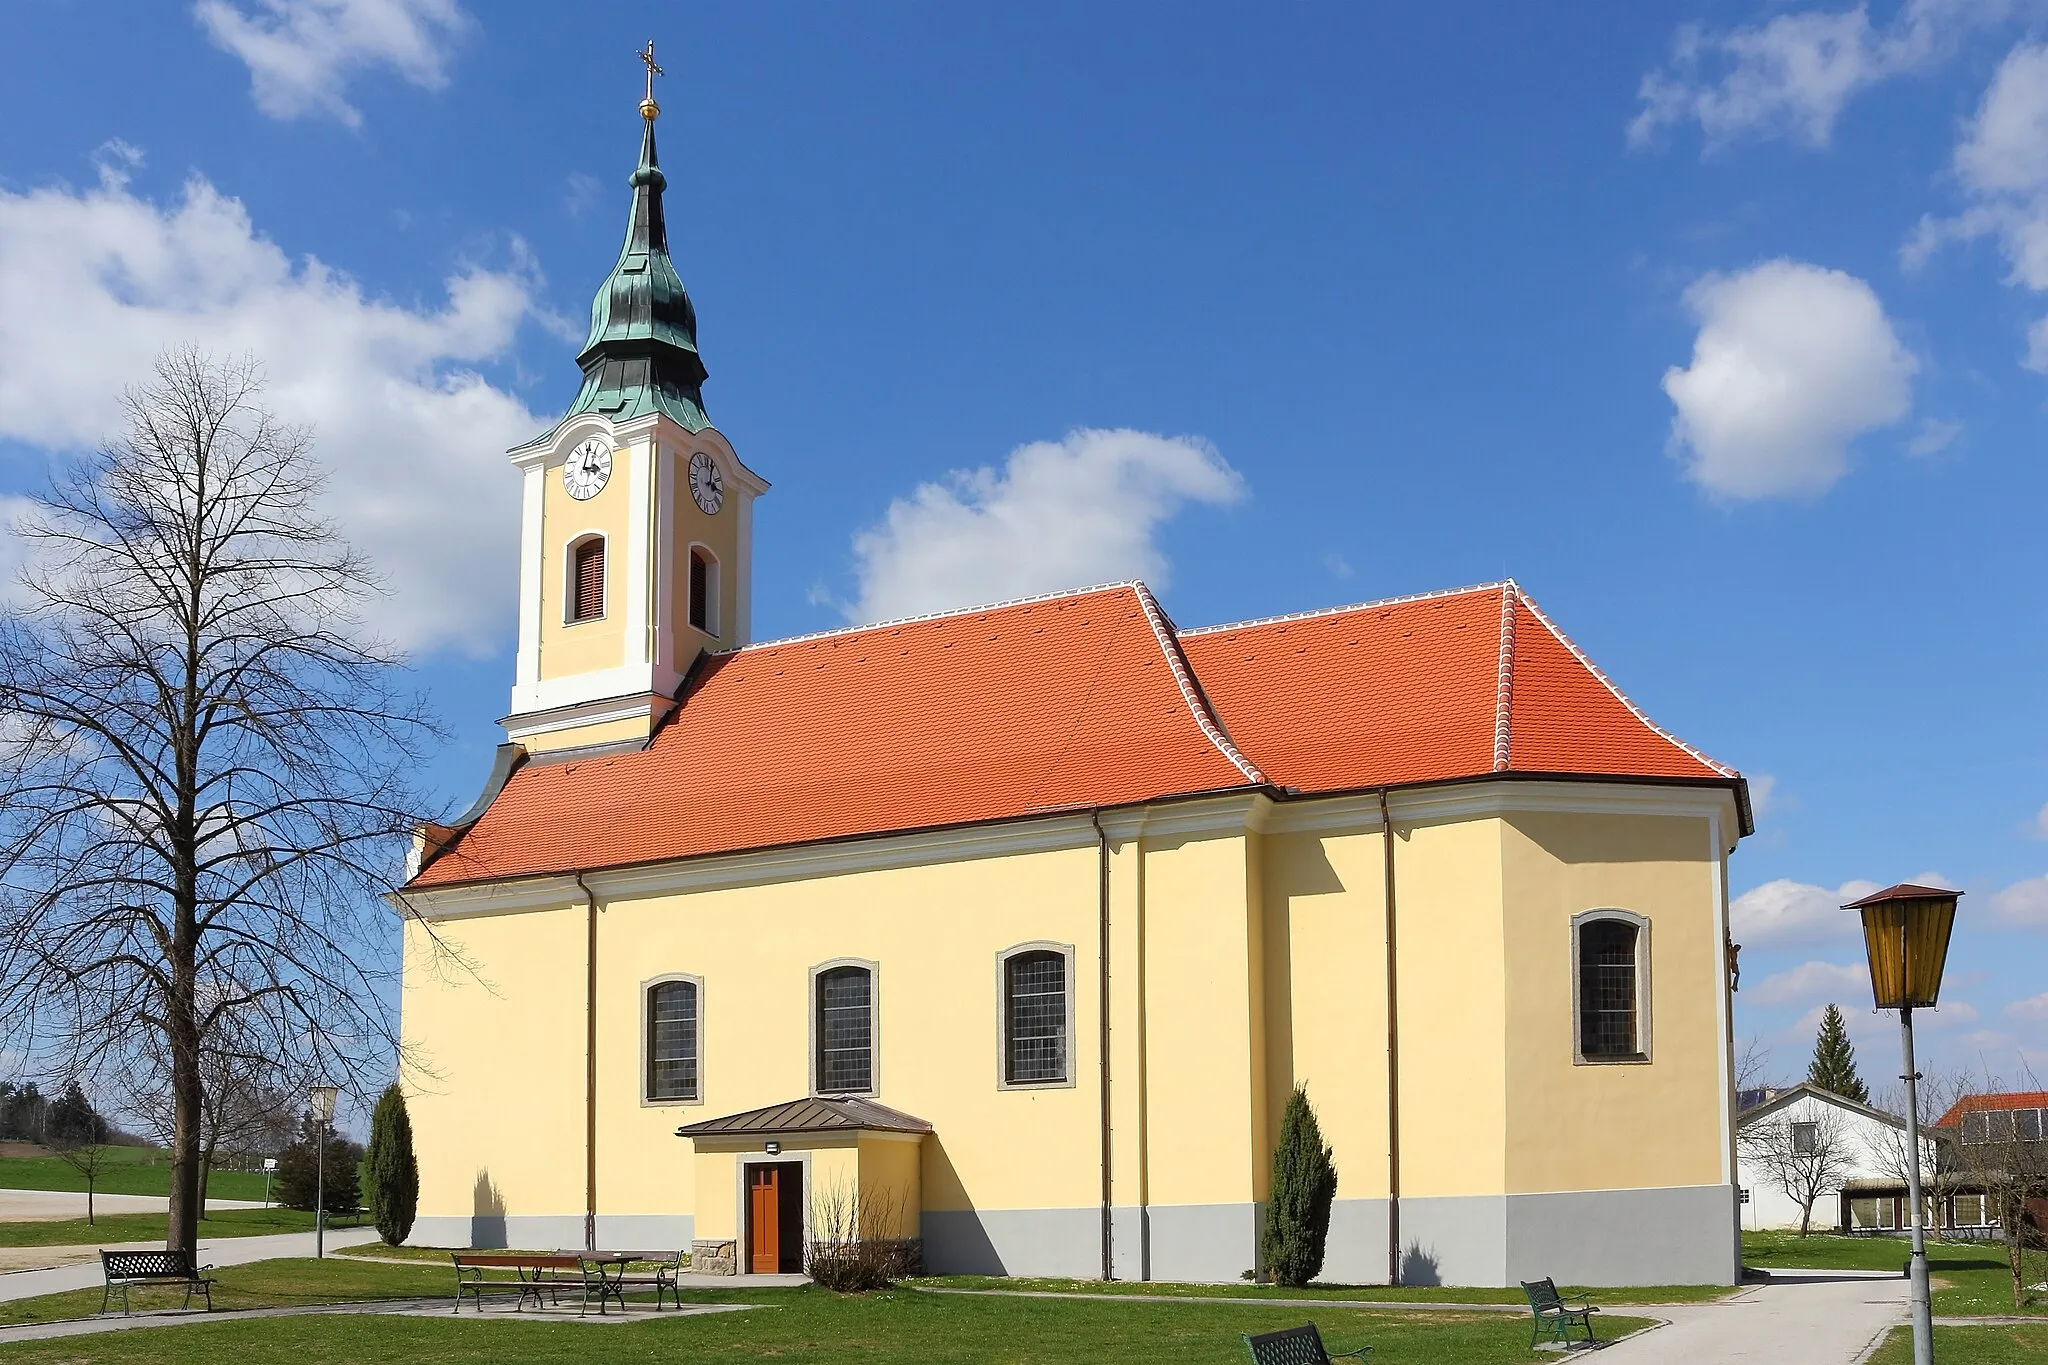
(703, 590)
(586, 579)
(1611, 976)
(843, 1030)
(674, 1025)
(1036, 1016)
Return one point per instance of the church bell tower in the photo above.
(637, 517)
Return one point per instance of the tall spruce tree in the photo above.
(1834, 1060)
(1304, 1187)
(394, 1172)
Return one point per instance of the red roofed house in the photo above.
(1016, 926)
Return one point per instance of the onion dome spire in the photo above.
(641, 355)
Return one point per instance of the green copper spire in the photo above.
(641, 356)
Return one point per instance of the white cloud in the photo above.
(301, 53)
(1934, 436)
(1762, 789)
(2033, 1007)
(1059, 514)
(1786, 911)
(2023, 903)
(1338, 566)
(1791, 364)
(1949, 1014)
(2002, 164)
(1822, 981)
(94, 283)
(1791, 75)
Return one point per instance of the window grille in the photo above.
(1969, 1211)
(1035, 1018)
(588, 588)
(1803, 1135)
(672, 1041)
(2029, 1121)
(1976, 1127)
(700, 591)
(846, 1052)
(1607, 990)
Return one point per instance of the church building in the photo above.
(1011, 929)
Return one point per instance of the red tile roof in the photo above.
(1998, 1103)
(1075, 701)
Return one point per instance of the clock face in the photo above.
(707, 485)
(588, 467)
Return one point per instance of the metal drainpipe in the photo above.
(1102, 1042)
(589, 1068)
(1393, 1063)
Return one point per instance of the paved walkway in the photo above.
(406, 1308)
(1814, 1317)
(44, 1206)
(218, 1251)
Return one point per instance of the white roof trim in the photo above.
(1355, 606)
(1504, 686)
(1620, 695)
(1169, 647)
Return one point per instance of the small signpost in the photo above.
(269, 1169)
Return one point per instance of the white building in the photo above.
(1850, 1151)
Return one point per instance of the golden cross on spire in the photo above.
(649, 110)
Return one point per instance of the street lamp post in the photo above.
(1905, 932)
(323, 1110)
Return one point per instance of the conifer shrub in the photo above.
(392, 1169)
(1298, 1208)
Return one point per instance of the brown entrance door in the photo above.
(764, 1219)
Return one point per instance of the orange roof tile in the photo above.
(1073, 701)
(1998, 1103)
(1066, 702)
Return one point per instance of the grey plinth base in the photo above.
(715, 1258)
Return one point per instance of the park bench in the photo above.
(126, 1268)
(536, 1277)
(1301, 1345)
(660, 1276)
(1551, 1316)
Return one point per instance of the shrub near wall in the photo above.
(1304, 1187)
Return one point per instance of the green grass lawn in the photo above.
(792, 1327)
(431, 1255)
(1678, 1293)
(1970, 1346)
(1970, 1278)
(129, 1170)
(149, 1227)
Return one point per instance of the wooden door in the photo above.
(764, 1219)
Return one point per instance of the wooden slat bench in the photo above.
(535, 1276)
(126, 1268)
(1301, 1345)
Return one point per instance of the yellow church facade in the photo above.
(1015, 927)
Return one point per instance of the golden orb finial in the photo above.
(649, 110)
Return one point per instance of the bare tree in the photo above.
(250, 1099)
(1753, 1067)
(1940, 1176)
(1805, 1158)
(206, 758)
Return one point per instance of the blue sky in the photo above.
(1717, 326)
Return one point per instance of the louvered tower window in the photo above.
(586, 580)
(703, 591)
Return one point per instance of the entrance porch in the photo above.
(775, 1183)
